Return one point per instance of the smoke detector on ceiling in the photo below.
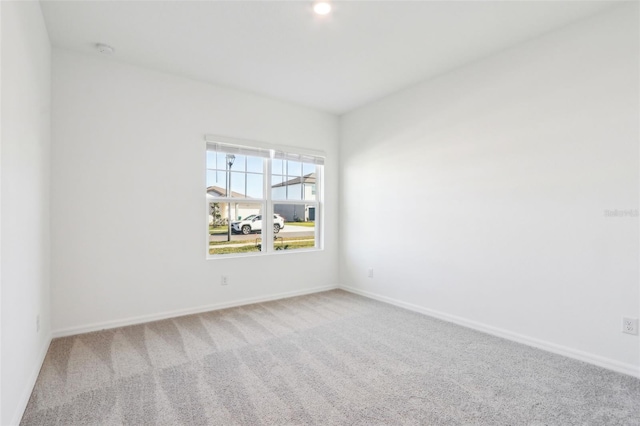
(104, 49)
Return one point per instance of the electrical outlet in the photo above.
(630, 325)
(37, 323)
(370, 273)
(224, 280)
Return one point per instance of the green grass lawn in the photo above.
(287, 239)
(218, 230)
(258, 240)
(296, 244)
(307, 224)
(217, 247)
(222, 243)
(228, 250)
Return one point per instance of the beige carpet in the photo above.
(331, 358)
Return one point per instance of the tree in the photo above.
(216, 214)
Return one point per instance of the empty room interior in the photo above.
(331, 213)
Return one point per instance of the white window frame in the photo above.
(267, 203)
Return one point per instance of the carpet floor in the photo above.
(330, 358)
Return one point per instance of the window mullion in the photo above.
(267, 228)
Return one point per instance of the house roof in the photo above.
(310, 178)
(217, 191)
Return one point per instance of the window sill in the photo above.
(262, 254)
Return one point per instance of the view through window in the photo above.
(262, 200)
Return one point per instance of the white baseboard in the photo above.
(181, 312)
(610, 364)
(26, 392)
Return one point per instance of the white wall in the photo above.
(128, 193)
(479, 196)
(25, 171)
(0, 211)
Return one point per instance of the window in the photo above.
(262, 200)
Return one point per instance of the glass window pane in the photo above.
(254, 185)
(276, 167)
(240, 163)
(238, 185)
(216, 183)
(294, 189)
(255, 164)
(308, 168)
(294, 168)
(242, 236)
(310, 180)
(278, 191)
(294, 226)
(221, 160)
(309, 191)
(211, 160)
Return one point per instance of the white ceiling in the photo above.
(361, 52)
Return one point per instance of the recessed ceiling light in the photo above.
(104, 49)
(322, 7)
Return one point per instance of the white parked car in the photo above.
(253, 223)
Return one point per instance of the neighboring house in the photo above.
(238, 209)
(299, 188)
(216, 191)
